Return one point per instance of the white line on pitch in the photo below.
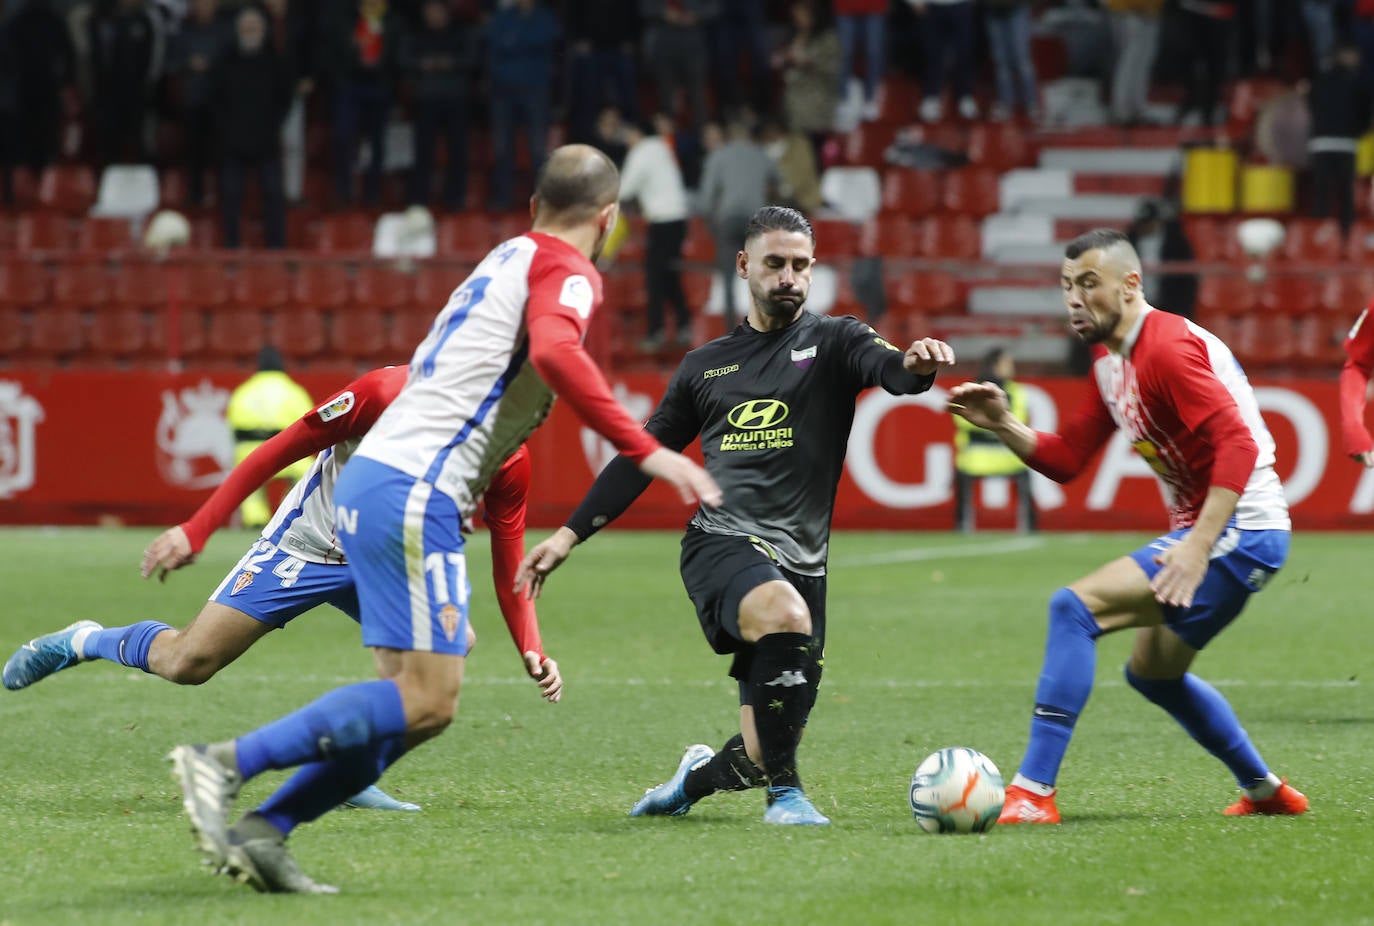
(920, 554)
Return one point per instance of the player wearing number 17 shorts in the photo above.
(481, 381)
(1185, 404)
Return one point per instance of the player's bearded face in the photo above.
(779, 272)
(1092, 296)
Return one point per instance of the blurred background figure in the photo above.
(736, 179)
(603, 37)
(810, 65)
(251, 96)
(799, 183)
(1159, 237)
(127, 48)
(520, 40)
(1204, 29)
(739, 37)
(1354, 391)
(947, 46)
(359, 57)
(1340, 108)
(291, 28)
(609, 134)
(196, 50)
(1008, 24)
(979, 454)
(38, 60)
(259, 408)
(440, 58)
(677, 53)
(866, 21)
(1135, 33)
(651, 177)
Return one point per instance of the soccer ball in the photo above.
(956, 790)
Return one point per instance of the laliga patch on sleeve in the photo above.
(577, 294)
(337, 408)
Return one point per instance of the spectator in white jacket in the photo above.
(651, 176)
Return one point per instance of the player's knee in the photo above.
(1153, 689)
(429, 709)
(1068, 611)
(779, 611)
(190, 667)
(471, 638)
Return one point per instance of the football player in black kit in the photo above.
(772, 402)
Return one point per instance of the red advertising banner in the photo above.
(79, 447)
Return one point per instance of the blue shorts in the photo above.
(404, 543)
(272, 586)
(1242, 563)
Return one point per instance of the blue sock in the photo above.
(321, 786)
(1208, 718)
(344, 720)
(127, 646)
(1066, 680)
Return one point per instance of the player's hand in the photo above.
(1365, 459)
(693, 483)
(545, 673)
(171, 550)
(926, 356)
(1185, 566)
(546, 556)
(983, 405)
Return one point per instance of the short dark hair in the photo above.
(778, 218)
(575, 182)
(1095, 240)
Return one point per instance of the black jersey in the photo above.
(773, 410)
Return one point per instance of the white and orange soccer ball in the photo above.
(956, 790)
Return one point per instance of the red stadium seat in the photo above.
(203, 283)
(345, 233)
(1219, 294)
(1313, 241)
(320, 286)
(1000, 145)
(99, 234)
(433, 285)
(974, 191)
(300, 333)
(360, 333)
(891, 235)
(1346, 295)
(119, 332)
(463, 236)
(82, 285)
(926, 293)
(261, 286)
(835, 238)
(950, 237)
(1264, 340)
(912, 192)
(699, 247)
(43, 231)
(13, 331)
(1285, 294)
(24, 283)
(408, 329)
(56, 333)
(234, 333)
(380, 286)
(68, 188)
(1213, 238)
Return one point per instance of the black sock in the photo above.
(730, 770)
(781, 697)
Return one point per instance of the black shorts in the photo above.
(718, 570)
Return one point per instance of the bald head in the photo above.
(575, 183)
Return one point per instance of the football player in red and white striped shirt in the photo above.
(1355, 376)
(1182, 400)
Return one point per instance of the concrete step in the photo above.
(1015, 300)
(1160, 161)
(1108, 207)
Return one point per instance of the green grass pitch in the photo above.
(935, 640)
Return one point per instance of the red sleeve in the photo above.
(561, 301)
(347, 414)
(1355, 376)
(1063, 456)
(1183, 374)
(505, 519)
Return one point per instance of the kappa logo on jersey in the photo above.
(758, 413)
(244, 580)
(340, 406)
(721, 371)
(805, 357)
(577, 294)
(449, 618)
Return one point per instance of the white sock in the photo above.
(1034, 787)
(1264, 789)
(79, 641)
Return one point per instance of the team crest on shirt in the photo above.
(244, 580)
(449, 619)
(19, 413)
(805, 357)
(577, 294)
(340, 406)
